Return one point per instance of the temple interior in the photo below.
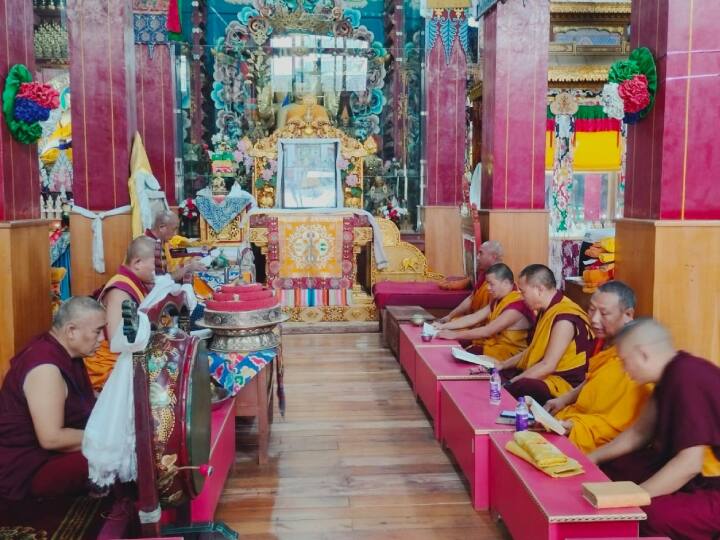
(360, 269)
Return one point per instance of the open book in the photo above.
(544, 417)
(478, 359)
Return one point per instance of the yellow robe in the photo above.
(570, 359)
(480, 297)
(100, 365)
(508, 342)
(608, 403)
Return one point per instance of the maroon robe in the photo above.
(688, 414)
(21, 455)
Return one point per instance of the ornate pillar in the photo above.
(446, 47)
(668, 245)
(102, 77)
(24, 256)
(155, 90)
(515, 64)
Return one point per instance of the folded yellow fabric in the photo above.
(542, 452)
(607, 257)
(608, 244)
(569, 468)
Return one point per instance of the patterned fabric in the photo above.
(564, 259)
(216, 278)
(58, 247)
(160, 261)
(150, 29)
(154, 6)
(315, 297)
(218, 215)
(234, 370)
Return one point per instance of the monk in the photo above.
(490, 252)
(165, 226)
(45, 402)
(507, 319)
(673, 449)
(133, 281)
(608, 401)
(556, 359)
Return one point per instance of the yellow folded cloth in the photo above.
(607, 257)
(608, 244)
(536, 450)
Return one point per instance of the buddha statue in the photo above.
(306, 109)
(218, 186)
(378, 196)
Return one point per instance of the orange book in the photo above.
(615, 494)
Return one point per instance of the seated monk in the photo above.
(490, 252)
(165, 226)
(132, 282)
(45, 402)
(673, 448)
(507, 319)
(608, 401)
(556, 359)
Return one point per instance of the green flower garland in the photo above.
(20, 130)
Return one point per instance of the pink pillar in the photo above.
(19, 177)
(156, 112)
(673, 157)
(102, 76)
(445, 130)
(514, 102)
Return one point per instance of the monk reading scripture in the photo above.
(490, 252)
(45, 402)
(132, 282)
(507, 319)
(165, 226)
(673, 449)
(608, 401)
(556, 359)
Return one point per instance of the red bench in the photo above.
(466, 421)
(535, 506)
(433, 365)
(427, 294)
(410, 342)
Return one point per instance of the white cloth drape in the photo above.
(109, 440)
(98, 250)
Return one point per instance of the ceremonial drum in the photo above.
(178, 396)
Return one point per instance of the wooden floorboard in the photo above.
(353, 459)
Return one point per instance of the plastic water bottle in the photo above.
(521, 415)
(495, 386)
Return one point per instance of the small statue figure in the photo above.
(218, 185)
(378, 196)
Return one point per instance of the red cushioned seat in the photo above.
(426, 294)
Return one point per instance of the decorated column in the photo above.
(102, 76)
(24, 257)
(515, 65)
(446, 49)
(669, 248)
(155, 90)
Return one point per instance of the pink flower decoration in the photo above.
(267, 175)
(273, 165)
(352, 180)
(634, 93)
(238, 155)
(343, 164)
(42, 94)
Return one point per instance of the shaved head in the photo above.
(142, 247)
(490, 252)
(74, 309)
(646, 348)
(645, 331)
(539, 275)
(501, 271)
(494, 247)
(165, 217)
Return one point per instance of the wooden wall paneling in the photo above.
(635, 260)
(24, 285)
(443, 239)
(524, 235)
(117, 234)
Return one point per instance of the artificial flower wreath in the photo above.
(25, 104)
(630, 93)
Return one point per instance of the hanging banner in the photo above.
(483, 6)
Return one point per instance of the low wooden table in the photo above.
(256, 399)
(392, 317)
(434, 365)
(535, 506)
(411, 342)
(467, 420)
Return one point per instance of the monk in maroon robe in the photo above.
(45, 402)
(673, 449)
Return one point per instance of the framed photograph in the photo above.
(308, 173)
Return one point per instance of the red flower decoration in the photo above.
(42, 94)
(634, 93)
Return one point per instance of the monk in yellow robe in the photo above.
(556, 360)
(608, 401)
(165, 227)
(490, 252)
(507, 319)
(132, 282)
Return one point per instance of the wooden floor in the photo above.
(354, 458)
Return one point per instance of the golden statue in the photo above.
(307, 111)
(218, 186)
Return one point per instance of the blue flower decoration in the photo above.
(245, 14)
(353, 16)
(29, 111)
(379, 49)
(377, 101)
(217, 95)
